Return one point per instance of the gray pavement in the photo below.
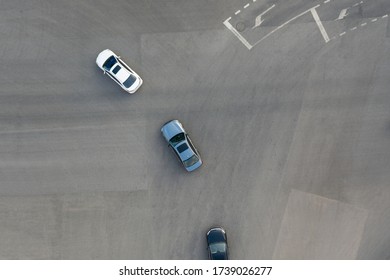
(294, 132)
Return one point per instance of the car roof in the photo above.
(187, 153)
(123, 74)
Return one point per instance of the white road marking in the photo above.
(258, 19)
(236, 13)
(284, 24)
(357, 4)
(246, 6)
(254, 0)
(343, 13)
(363, 24)
(238, 35)
(319, 23)
(326, 1)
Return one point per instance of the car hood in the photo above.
(171, 129)
(103, 56)
(215, 235)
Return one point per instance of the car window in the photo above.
(177, 139)
(116, 69)
(130, 81)
(109, 63)
(182, 147)
(191, 161)
(218, 248)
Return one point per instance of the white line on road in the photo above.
(343, 14)
(385, 16)
(283, 25)
(246, 6)
(363, 24)
(374, 20)
(238, 35)
(319, 23)
(236, 13)
(357, 4)
(258, 19)
(326, 1)
(353, 28)
(342, 34)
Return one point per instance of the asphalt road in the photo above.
(290, 116)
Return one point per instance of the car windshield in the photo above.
(130, 81)
(177, 139)
(191, 161)
(218, 248)
(109, 63)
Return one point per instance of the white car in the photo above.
(119, 71)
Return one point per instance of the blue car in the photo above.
(181, 144)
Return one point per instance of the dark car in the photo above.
(217, 244)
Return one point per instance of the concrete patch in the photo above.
(315, 227)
